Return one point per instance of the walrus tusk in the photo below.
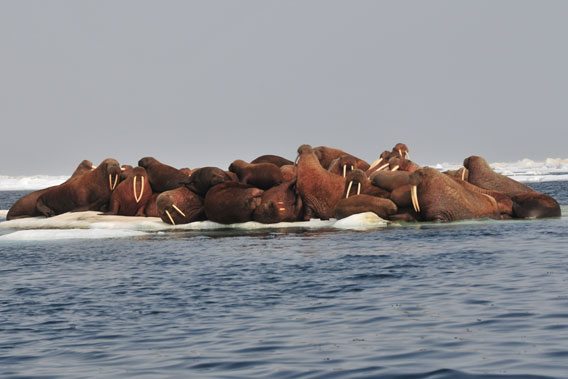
(111, 185)
(359, 188)
(170, 217)
(383, 166)
(281, 209)
(348, 189)
(375, 163)
(414, 197)
(395, 168)
(177, 209)
(463, 174)
(93, 167)
(138, 198)
(115, 181)
(351, 167)
(344, 170)
(400, 153)
(407, 156)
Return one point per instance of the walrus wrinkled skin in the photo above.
(180, 206)
(90, 191)
(383, 208)
(504, 202)
(274, 159)
(202, 179)
(535, 205)
(326, 155)
(320, 189)
(26, 205)
(161, 176)
(437, 197)
(279, 204)
(231, 202)
(482, 175)
(131, 195)
(260, 175)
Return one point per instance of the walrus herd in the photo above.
(322, 183)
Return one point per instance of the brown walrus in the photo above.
(161, 176)
(131, 195)
(90, 191)
(26, 205)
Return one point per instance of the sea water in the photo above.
(479, 298)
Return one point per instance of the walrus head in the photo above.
(302, 150)
(401, 150)
(356, 177)
(147, 161)
(111, 167)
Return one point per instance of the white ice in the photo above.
(95, 225)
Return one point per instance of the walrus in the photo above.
(26, 205)
(326, 155)
(320, 189)
(437, 197)
(279, 204)
(343, 165)
(202, 179)
(231, 202)
(260, 175)
(358, 183)
(131, 195)
(383, 208)
(180, 206)
(482, 175)
(90, 191)
(274, 159)
(161, 176)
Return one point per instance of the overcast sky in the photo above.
(201, 83)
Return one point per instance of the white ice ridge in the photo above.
(526, 170)
(117, 226)
(35, 182)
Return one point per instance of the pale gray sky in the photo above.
(196, 83)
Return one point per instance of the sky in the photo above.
(202, 83)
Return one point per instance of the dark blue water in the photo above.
(470, 299)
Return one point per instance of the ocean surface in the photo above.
(472, 299)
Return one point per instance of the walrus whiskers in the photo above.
(179, 210)
(170, 217)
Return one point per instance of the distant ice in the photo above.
(35, 182)
(525, 170)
